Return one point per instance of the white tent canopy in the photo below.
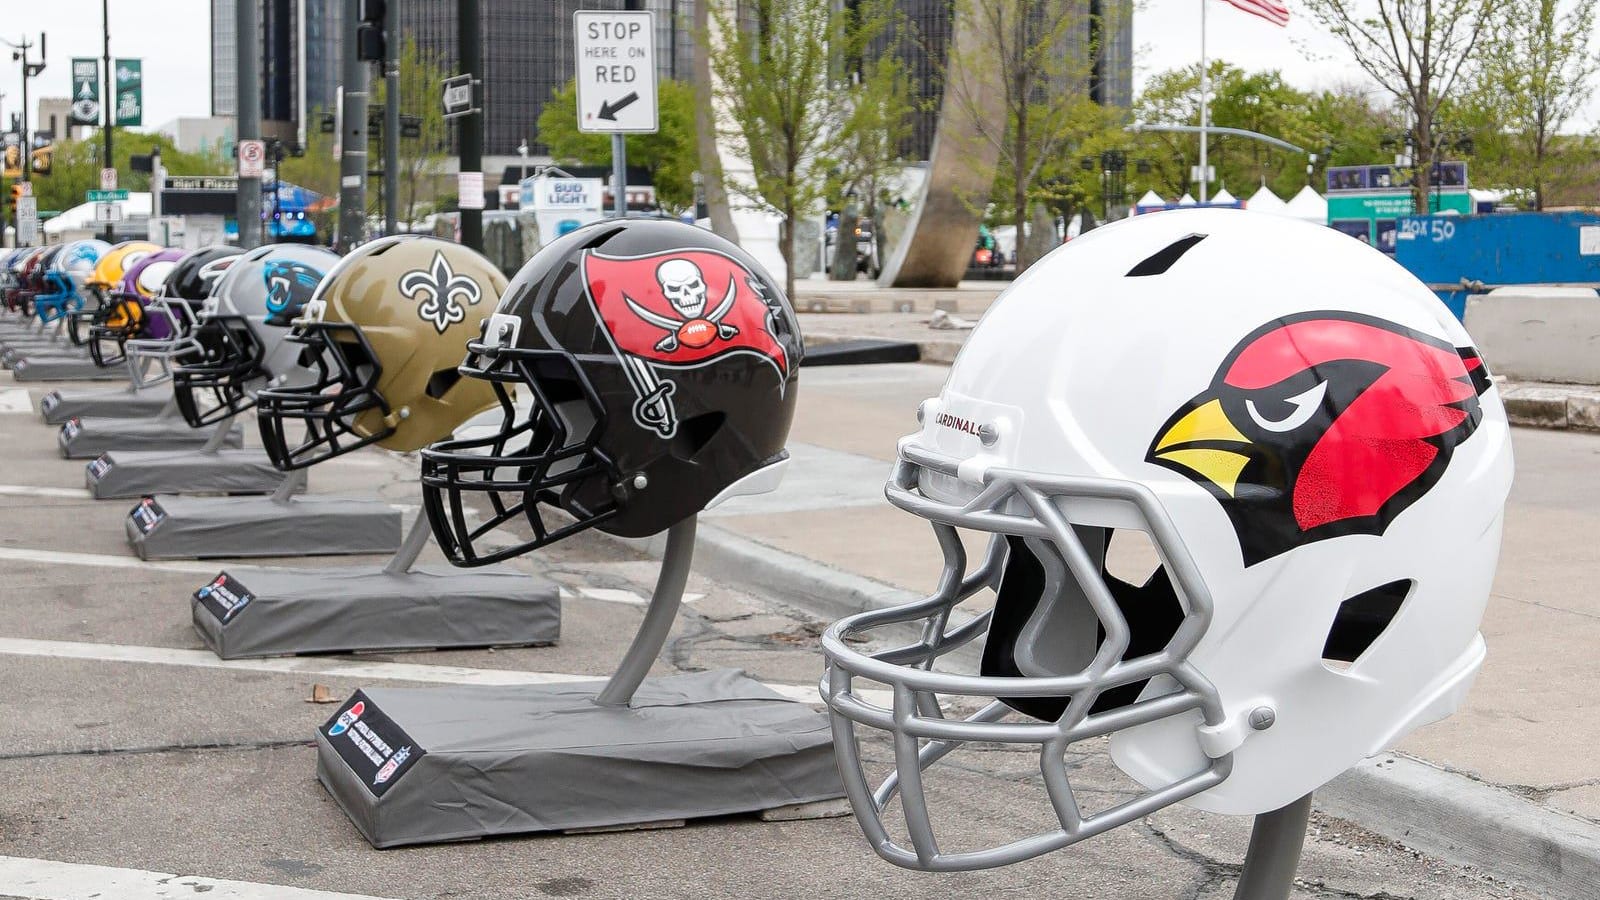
(1309, 205)
(1264, 200)
(81, 217)
(1223, 197)
(1151, 198)
(1186, 200)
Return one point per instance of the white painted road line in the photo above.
(15, 400)
(28, 490)
(342, 668)
(43, 879)
(64, 558)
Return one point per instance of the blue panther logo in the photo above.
(289, 286)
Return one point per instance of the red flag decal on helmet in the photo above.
(678, 309)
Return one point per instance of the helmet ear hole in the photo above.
(441, 382)
(695, 432)
(1361, 620)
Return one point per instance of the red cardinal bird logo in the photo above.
(676, 310)
(1324, 424)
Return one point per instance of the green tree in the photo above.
(668, 154)
(421, 158)
(789, 95)
(875, 126)
(1536, 76)
(1042, 51)
(1421, 52)
(75, 166)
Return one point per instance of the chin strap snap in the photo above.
(1217, 741)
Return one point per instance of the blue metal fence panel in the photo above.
(1501, 249)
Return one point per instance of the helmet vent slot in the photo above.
(1158, 263)
(1361, 620)
(695, 432)
(441, 382)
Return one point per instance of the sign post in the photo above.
(27, 220)
(616, 77)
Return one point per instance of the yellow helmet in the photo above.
(385, 331)
(108, 272)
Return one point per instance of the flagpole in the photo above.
(1205, 184)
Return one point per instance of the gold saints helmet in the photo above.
(384, 333)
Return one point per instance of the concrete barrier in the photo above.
(1534, 333)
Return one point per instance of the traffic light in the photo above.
(370, 44)
(18, 191)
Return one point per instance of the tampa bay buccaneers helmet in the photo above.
(384, 334)
(658, 364)
(166, 336)
(1244, 480)
(241, 331)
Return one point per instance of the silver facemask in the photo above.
(1074, 655)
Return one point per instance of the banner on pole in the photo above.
(130, 92)
(85, 109)
(11, 156)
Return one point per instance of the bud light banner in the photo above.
(85, 108)
(130, 92)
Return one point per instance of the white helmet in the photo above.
(1317, 456)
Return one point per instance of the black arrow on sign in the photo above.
(609, 110)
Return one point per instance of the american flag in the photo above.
(1271, 10)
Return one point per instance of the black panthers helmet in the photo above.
(659, 362)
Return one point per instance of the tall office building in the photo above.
(1098, 39)
(527, 55)
(300, 52)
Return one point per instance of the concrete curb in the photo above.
(940, 351)
(1570, 406)
(1444, 814)
(1458, 819)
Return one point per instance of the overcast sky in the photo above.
(175, 45)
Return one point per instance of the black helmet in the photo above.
(166, 336)
(660, 361)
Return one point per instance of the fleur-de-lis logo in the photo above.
(440, 291)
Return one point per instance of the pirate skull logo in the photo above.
(684, 286)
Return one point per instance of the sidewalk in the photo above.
(1510, 784)
(1535, 404)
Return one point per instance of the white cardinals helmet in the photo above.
(1316, 455)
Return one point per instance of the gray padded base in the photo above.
(290, 611)
(130, 474)
(169, 433)
(64, 368)
(499, 760)
(110, 403)
(206, 527)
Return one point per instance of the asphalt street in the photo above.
(136, 764)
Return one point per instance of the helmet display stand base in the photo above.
(1274, 854)
(423, 765)
(57, 407)
(128, 474)
(63, 367)
(175, 527)
(88, 438)
(283, 612)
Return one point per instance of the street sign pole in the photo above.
(353, 138)
(110, 161)
(469, 40)
(247, 28)
(619, 175)
(616, 75)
